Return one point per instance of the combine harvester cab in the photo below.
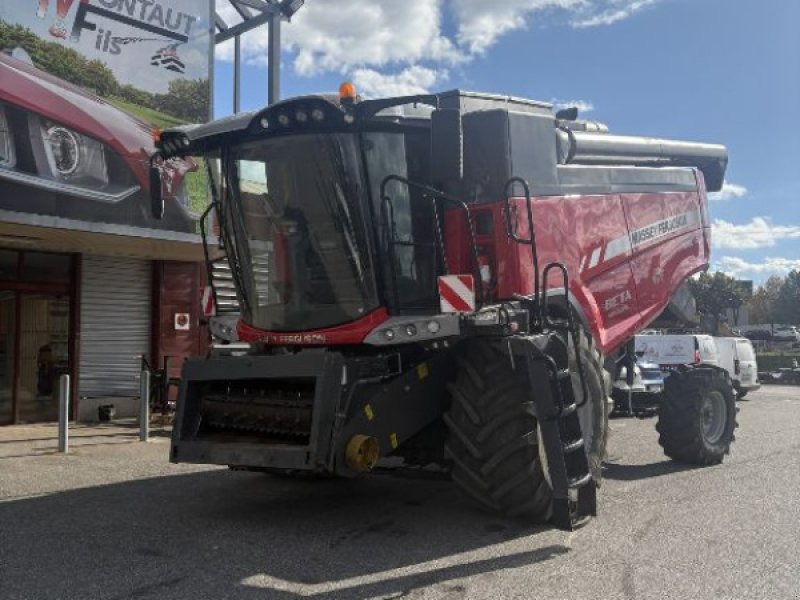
(438, 279)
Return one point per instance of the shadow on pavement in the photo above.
(620, 472)
(221, 534)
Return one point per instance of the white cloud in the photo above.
(338, 36)
(583, 106)
(758, 233)
(372, 36)
(729, 190)
(738, 267)
(481, 23)
(411, 80)
(618, 10)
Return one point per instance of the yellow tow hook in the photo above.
(361, 453)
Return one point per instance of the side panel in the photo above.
(668, 244)
(589, 235)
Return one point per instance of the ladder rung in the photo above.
(573, 446)
(580, 481)
(568, 410)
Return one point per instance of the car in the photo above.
(786, 333)
(738, 358)
(644, 393)
(761, 335)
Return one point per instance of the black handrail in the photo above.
(434, 195)
(204, 237)
(531, 239)
(573, 331)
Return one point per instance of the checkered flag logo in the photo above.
(168, 58)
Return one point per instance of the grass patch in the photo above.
(197, 187)
(149, 115)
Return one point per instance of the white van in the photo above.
(737, 357)
(671, 350)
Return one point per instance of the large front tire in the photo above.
(697, 418)
(493, 432)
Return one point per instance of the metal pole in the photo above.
(274, 59)
(237, 72)
(144, 406)
(63, 413)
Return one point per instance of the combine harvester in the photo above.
(440, 278)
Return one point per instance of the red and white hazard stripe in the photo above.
(457, 293)
(207, 302)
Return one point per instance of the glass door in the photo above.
(7, 336)
(43, 355)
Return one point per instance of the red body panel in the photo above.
(626, 254)
(349, 333)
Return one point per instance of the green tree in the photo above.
(762, 304)
(787, 304)
(715, 293)
(187, 99)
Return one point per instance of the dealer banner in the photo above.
(83, 84)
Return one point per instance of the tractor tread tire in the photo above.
(493, 440)
(680, 418)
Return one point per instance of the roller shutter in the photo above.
(115, 324)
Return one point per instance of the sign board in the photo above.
(84, 84)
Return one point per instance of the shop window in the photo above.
(41, 266)
(8, 264)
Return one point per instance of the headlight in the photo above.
(73, 157)
(60, 159)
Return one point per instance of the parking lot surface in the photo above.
(116, 521)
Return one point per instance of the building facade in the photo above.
(87, 310)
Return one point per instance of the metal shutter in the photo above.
(115, 324)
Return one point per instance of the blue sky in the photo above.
(725, 71)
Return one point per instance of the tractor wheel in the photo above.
(697, 417)
(493, 434)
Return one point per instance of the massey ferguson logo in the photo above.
(151, 17)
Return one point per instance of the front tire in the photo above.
(697, 418)
(493, 432)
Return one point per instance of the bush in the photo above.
(774, 361)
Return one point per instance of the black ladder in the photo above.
(574, 490)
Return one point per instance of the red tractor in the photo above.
(439, 279)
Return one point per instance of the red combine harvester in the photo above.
(438, 279)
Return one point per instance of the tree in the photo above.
(762, 304)
(715, 293)
(186, 99)
(787, 305)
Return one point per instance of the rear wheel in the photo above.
(697, 416)
(493, 432)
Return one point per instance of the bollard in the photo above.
(63, 413)
(144, 406)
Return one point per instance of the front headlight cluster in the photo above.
(73, 157)
(60, 159)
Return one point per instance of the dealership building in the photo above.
(90, 282)
(90, 301)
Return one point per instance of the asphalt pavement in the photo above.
(114, 520)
